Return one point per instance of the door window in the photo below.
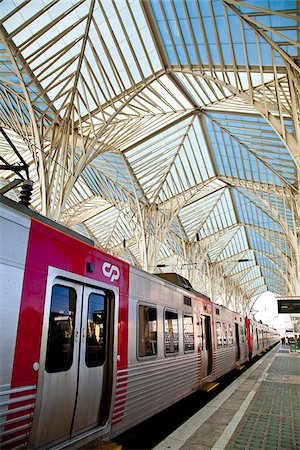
(225, 337)
(59, 356)
(188, 330)
(230, 334)
(96, 330)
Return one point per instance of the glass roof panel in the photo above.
(194, 216)
(233, 158)
(111, 62)
(258, 242)
(250, 212)
(182, 176)
(222, 214)
(267, 201)
(15, 84)
(151, 161)
(102, 227)
(219, 245)
(207, 31)
(252, 274)
(237, 244)
(257, 135)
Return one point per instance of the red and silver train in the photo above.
(91, 346)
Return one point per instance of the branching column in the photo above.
(150, 235)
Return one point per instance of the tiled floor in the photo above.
(260, 410)
(272, 420)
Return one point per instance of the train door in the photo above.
(206, 346)
(92, 360)
(76, 361)
(237, 340)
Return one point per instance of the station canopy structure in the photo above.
(166, 131)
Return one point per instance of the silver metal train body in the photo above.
(91, 346)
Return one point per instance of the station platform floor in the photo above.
(259, 410)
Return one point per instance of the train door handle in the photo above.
(83, 335)
(36, 366)
(76, 335)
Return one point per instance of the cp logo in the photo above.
(110, 271)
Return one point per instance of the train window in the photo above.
(242, 334)
(147, 331)
(187, 300)
(171, 332)
(219, 334)
(96, 330)
(230, 334)
(59, 356)
(225, 337)
(188, 333)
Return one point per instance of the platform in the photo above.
(259, 410)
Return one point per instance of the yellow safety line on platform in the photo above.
(209, 387)
(109, 446)
(239, 367)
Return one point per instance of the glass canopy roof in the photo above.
(167, 131)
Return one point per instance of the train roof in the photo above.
(37, 216)
(178, 280)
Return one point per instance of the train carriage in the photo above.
(91, 346)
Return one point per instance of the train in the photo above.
(91, 346)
